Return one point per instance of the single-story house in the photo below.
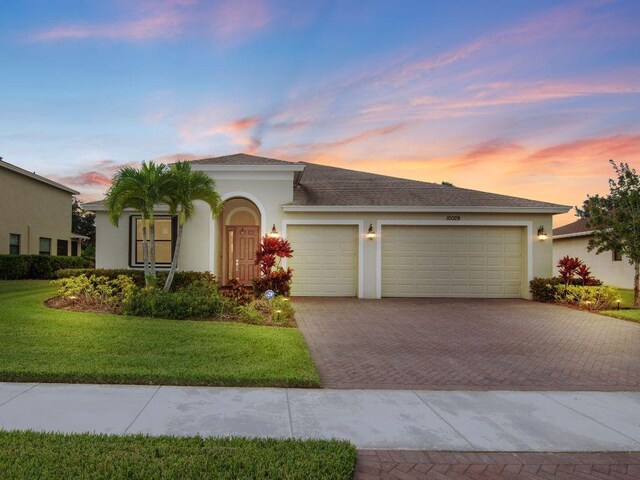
(353, 233)
(610, 267)
(35, 217)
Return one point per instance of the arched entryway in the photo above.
(240, 230)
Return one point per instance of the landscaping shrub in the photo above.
(544, 289)
(237, 292)
(276, 312)
(95, 292)
(573, 271)
(269, 256)
(181, 280)
(200, 299)
(18, 267)
(589, 297)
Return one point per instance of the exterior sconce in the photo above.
(371, 233)
(542, 235)
(274, 232)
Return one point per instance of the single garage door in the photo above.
(325, 260)
(434, 261)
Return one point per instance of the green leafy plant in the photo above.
(588, 297)
(96, 292)
(615, 220)
(19, 267)
(277, 312)
(544, 289)
(182, 279)
(200, 299)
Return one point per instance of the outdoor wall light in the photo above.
(371, 233)
(274, 232)
(542, 235)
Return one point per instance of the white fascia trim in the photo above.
(484, 223)
(413, 209)
(249, 168)
(572, 235)
(358, 223)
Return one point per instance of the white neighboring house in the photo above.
(610, 267)
(353, 233)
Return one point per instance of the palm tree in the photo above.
(155, 179)
(184, 188)
(125, 192)
(141, 190)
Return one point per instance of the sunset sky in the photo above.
(523, 98)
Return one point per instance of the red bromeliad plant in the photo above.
(567, 268)
(584, 273)
(269, 257)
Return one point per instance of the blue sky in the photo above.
(523, 98)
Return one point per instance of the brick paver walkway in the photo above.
(406, 465)
(467, 344)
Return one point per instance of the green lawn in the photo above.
(626, 296)
(46, 345)
(30, 455)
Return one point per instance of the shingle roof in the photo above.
(332, 186)
(324, 186)
(574, 229)
(240, 159)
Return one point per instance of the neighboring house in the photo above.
(353, 233)
(35, 214)
(610, 267)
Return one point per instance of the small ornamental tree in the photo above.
(269, 257)
(615, 219)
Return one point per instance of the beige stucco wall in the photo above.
(617, 274)
(201, 248)
(32, 209)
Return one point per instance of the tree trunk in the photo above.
(152, 246)
(636, 284)
(174, 260)
(145, 251)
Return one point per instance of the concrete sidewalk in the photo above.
(380, 419)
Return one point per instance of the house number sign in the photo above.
(453, 217)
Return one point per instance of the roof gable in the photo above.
(38, 178)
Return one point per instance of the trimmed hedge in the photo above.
(544, 289)
(181, 279)
(19, 267)
(198, 300)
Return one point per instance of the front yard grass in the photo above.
(626, 295)
(30, 455)
(40, 344)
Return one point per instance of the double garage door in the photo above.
(417, 261)
(434, 261)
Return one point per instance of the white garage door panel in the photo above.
(324, 260)
(423, 261)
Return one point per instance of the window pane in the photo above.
(138, 228)
(163, 252)
(45, 246)
(14, 244)
(163, 229)
(63, 248)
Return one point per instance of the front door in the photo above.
(243, 242)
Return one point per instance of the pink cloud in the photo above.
(228, 20)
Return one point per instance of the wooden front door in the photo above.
(242, 245)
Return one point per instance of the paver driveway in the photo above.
(465, 344)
